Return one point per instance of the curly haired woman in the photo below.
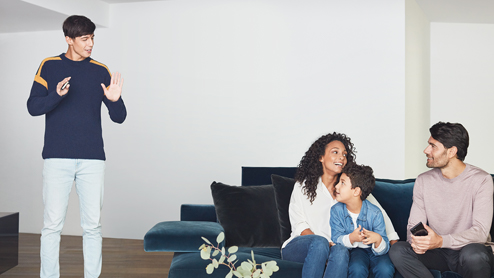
(310, 206)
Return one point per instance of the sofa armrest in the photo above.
(192, 212)
(181, 236)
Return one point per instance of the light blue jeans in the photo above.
(58, 177)
(314, 252)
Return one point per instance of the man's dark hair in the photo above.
(77, 26)
(361, 176)
(451, 134)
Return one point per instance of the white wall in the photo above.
(211, 86)
(417, 88)
(462, 84)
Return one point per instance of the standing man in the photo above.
(455, 200)
(69, 90)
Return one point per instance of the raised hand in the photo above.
(60, 84)
(371, 237)
(114, 91)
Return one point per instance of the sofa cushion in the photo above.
(190, 265)
(396, 199)
(193, 212)
(283, 188)
(180, 236)
(248, 214)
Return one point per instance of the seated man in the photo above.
(456, 201)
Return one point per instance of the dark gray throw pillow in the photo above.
(248, 214)
(283, 188)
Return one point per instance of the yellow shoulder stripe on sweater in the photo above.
(103, 65)
(38, 77)
(100, 64)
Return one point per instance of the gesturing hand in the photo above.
(371, 237)
(356, 235)
(60, 85)
(114, 91)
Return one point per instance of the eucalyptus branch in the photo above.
(246, 269)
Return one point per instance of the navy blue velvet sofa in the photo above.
(184, 237)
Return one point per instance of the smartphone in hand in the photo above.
(419, 230)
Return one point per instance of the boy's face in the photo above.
(344, 190)
(81, 47)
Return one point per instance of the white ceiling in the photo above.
(20, 16)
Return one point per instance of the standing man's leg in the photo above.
(58, 178)
(475, 260)
(90, 186)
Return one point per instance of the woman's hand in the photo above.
(306, 232)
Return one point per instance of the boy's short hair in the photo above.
(77, 26)
(361, 176)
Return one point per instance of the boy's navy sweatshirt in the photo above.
(73, 121)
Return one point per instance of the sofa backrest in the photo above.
(395, 196)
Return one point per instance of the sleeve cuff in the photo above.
(381, 247)
(301, 227)
(447, 242)
(393, 236)
(347, 243)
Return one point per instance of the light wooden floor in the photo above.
(122, 258)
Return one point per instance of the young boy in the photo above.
(359, 225)
(69, 90)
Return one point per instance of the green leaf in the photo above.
(209, 268)
(269, 267)
(220, 237)
(229, 275)
(233, 249)
(256, 273)
(215, 263)
(222, 259)
(232, 258)
(206, 240)
(206, 253)
(246, 266)
(202, 246)
(216, 252)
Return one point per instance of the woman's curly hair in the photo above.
(310, 167)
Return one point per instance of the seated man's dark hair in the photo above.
(77, 26)
(452, 134)
(361, 176)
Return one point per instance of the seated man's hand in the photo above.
(420, 244)
(371, 237)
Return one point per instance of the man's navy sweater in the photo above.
(73, 121)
